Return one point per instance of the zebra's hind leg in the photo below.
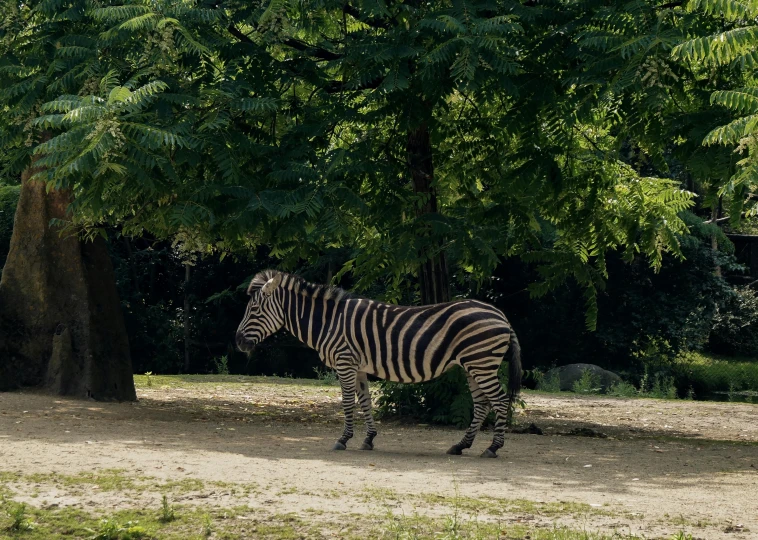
(491, 387)
(481, 408)
(364, 398)
(347, 377)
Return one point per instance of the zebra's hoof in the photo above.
(455, 450)
(367, 446)
(339, 446)
(488, 453)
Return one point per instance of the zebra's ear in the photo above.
(270, 286)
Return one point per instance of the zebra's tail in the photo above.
(514, 367)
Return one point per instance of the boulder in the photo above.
(569, 374)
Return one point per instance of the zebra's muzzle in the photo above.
(243, 344)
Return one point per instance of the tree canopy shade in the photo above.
(729, 46)
(405, 131)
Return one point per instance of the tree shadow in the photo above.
(275, 437)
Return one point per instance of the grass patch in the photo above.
(123, 525)
(490, 506)
(200, 381)
(462, 521)
(458, 526)
(188, 523)
(106, 479)
(711, 373)
(692, 376)
(495, 506)
(112, 480)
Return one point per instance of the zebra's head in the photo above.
(264, 314)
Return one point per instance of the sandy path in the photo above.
(665, 467)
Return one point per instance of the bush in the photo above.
(643, 315)
(445, 400)
(706, 375)
(547, 383)
(588, 383)
(623, 389)
(735, 324)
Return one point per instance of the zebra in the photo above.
(358, 337)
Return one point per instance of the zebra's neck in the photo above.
(309, 317)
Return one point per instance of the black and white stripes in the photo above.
(359, 337)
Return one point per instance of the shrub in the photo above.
(446, 400)
(222, 365)
(112, 530)
(547, 382)
(167, 511)
(704, 374)
(20, 521)
(735, 324)
(623, 389)
(326, 375)
(588, 383)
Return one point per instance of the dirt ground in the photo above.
(662, 467)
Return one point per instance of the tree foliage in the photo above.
(731, 46)
(561, 133)
(285, 124)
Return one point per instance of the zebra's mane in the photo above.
(297, 284)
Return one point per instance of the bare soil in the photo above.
(656, 468)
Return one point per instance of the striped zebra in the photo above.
(359, 337)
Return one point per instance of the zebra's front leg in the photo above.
(364, 398)
(481, 408)
(347, 377)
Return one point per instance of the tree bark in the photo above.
(61, 324)
(434, 280)
(187, 329)
(715, 211)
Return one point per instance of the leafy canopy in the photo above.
(238, 124)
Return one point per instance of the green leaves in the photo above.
(720, 48)
(731, 10)
(734, 45)
(555, 130)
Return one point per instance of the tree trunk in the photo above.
(715, 211)
(61, 324)
(187, 333)
(434, 281)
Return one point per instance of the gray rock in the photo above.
(569, 374)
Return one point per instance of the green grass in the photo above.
(242, 522)
(120, 480)
(712, 373)
(694, 375)
(495, 506)
(105, 479)
(201, 381)
(188, 523)
(458, 526)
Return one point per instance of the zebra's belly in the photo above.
(406, 372)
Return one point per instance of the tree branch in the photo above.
(236, 32)
(373, 23)
(317, 52)
(670, 5)
(335, 87)
(722, 219)
(310, 50)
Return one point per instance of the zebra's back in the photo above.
(414, 344)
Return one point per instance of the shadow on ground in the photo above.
(304, 432)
